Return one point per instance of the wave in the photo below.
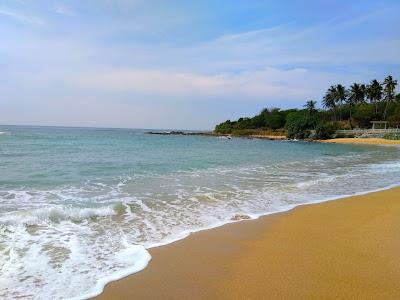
(55, 214)
(136, 256)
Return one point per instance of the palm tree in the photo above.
(374, 93)
(389, 92)
(310, 106)
(311, 118)
(356, 94)
(329, 100)
(363, 90)
(340, 96)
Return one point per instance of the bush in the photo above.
(245, 123)
(297, 125)
(274, 119)
(363, 115)
(394, 114)
(392, 136)
(324, 131)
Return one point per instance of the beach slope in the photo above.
(367, 141)
(345, 248)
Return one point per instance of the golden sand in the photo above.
(369, 141)
(342, 249)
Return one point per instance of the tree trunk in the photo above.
(351, 126)
(385, 112)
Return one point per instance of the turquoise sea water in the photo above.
(80, 206)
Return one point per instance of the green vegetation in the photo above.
(343, 108)
(268, 120)
(324, 131)
(392, 136)
(298, 125)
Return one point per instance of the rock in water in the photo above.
(239, 217)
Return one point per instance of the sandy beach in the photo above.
(368, 141)
(346, 248)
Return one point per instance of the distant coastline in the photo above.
(248, 134)
(280, 136)
(346, 113)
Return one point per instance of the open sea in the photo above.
(79, 207)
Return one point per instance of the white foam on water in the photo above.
(54, 214)
(254, 216)
(135, 256)
(63, 259)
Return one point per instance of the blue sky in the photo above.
(184, 64)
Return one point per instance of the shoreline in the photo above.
(278, 137)
(213, 134)
(121, 287)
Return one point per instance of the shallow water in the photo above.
(79, 206)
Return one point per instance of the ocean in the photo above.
(79, 207)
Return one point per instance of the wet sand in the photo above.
(369, 141)
(341, 249)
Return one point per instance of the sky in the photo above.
(184, 64)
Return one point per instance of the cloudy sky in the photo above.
(184, 64)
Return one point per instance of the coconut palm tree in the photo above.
(356, 94)
(311, 110)
(340, 97)
(363, 91)
(310, 106)
(329, 100)
(374, 93)
(389, 92)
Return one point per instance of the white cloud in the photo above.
(318, 44)
(21, 17)
(62, 9)
(267, 85)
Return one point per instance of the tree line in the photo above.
(359, 93)
(343, 108)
